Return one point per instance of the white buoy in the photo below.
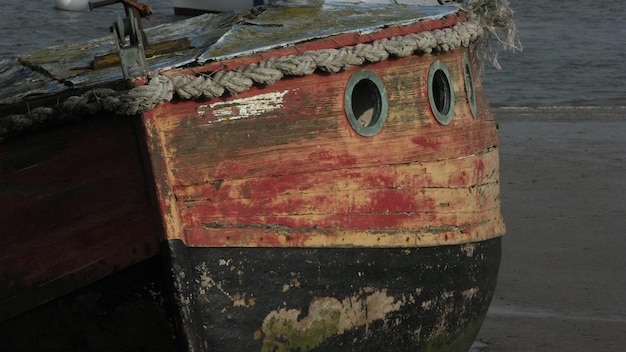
(72, 5)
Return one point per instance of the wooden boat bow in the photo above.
(328, 165)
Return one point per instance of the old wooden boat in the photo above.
(318, 176)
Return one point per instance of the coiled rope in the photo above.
(161, 88)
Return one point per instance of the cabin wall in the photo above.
(74, 207)
(281, 166)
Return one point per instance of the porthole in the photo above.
(469, 85)
(366, 103)
(440, 92)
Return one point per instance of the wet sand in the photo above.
(562, 282)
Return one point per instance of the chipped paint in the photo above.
(242, 108)
(312, 299)
(470, 293)
(285, 331)
(468, 249)
(294, 282)
(283, 168)
(206, 282)
(443, 331)
(224, 262)
(459, 342)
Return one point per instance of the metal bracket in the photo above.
(131, 50)
(130, 38)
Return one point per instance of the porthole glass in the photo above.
(440, 92)
(469, 85)
(366, 103)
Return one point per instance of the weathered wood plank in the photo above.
(155, 49)
(75, 208)
(455, 173)
(204, 149)
(160, 176)
(277, 237)
(256, 162)
(345, 202)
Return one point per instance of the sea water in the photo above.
(574, 52)
(34, 24)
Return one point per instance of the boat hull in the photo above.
(281, 165)
(76, 207)
(290, 230)
(333, 190)
(339, 299)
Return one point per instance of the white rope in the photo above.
(497, 20)
(163, 88)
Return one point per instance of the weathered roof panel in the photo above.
(18, 81)
(287, 24)
(211, 37)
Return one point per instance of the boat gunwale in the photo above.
(336, 41)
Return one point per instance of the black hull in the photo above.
(333, 299)
(127, 311)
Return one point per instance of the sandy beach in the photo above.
(562, 281)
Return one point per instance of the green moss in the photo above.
(283, 335)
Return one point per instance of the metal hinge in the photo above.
(129, 37)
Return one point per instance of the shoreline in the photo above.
(561, 282)
(569, 113)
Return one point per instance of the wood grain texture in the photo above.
(281, 166)
(74, 208)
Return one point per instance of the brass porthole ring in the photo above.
(469, 84)
(366, 103)
(440, 92)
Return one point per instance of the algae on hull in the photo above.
(327, 316)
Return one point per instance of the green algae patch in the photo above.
(285, 334)
(286, 330)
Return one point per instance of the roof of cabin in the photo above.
(197, 40)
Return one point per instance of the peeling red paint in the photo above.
(425, 142)
(329, 159)
(290, 174)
